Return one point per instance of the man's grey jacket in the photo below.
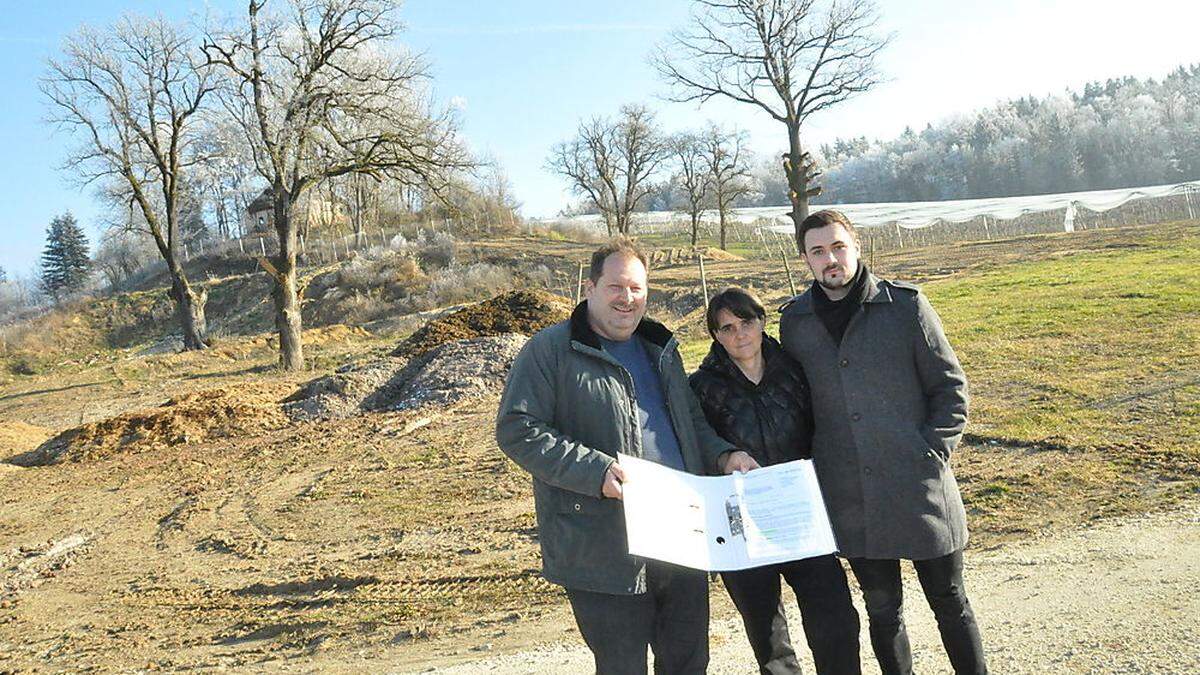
(889, 406)
(568, 408)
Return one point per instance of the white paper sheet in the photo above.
(769, 515)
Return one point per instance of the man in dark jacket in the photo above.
(889, 406)
(610, 381)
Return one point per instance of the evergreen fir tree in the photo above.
(65, 259)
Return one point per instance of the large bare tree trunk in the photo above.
(797, 177)
(189, 310)
(721, 216)
(285, 293)
(695, 228)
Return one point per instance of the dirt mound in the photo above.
(342, 394)
(186, 419)
(524, 312)
(452, 372)
(21, 437)
(684, 254)
(714, 253)
(442, 376)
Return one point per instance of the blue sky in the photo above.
(524, 72)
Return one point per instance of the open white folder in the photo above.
(768, 515)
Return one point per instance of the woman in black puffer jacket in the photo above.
(756, 397)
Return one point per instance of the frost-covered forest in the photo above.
(1122, 133)
(1116, 134)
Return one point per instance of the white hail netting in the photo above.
(915, 215)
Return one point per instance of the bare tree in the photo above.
(122, 253)
(686, 151)
(728, 171)
(226, 179)
(131, 94)
(786, 57)
(611, 163)
(318, 93)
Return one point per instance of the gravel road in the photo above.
(1118, 597)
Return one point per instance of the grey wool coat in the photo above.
(889, 407)
(568, 408)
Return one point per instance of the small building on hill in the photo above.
(312, 212)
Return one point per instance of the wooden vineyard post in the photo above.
(703, 280)
(788, 268)
(579, 284)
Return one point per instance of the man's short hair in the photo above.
(740, 302)
(622, 245)
(825, 218)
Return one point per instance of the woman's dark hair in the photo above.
(740, 302)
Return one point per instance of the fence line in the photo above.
(747, 239)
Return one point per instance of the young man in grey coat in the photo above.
(609, 381)
(889, 406)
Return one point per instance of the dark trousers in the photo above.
(671, 617)
(942, 582)
(830, 622)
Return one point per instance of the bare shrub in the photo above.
(561, 230)
(433, 249)
(541, 277)
(456, 284)
(392, 273)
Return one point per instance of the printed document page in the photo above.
(773, 514)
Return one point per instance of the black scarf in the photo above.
(836, 315)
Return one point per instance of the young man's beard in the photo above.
(846, 280)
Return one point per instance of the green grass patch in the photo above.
(1097, 348)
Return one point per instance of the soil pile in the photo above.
(342, 394)
(523, 312)
(20, 437)
(186, 419)
(714, 253)
(451, 373)
(681, 255)
(445, 375)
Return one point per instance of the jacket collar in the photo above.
(581, 331)
(877, 292)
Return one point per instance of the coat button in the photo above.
(845, 362)
(856, 417)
